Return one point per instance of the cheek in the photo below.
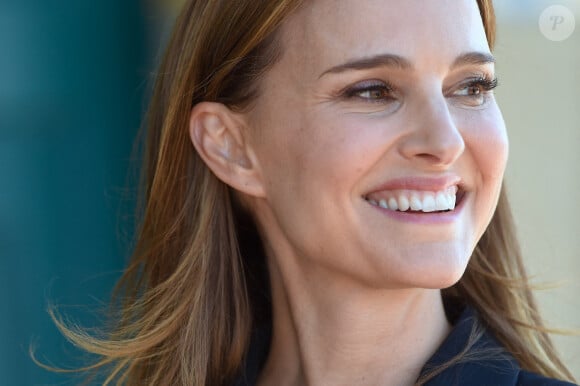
(487, 142)
(313, 168)
(327, 154)
(493, 154)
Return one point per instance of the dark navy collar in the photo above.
(483, 361)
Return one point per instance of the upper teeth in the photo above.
(416, 200)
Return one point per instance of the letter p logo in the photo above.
(557, 23)
(557, 20)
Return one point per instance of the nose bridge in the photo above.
(433, 135)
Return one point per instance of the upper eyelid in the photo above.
(366, 84)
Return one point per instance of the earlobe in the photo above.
(218, 135)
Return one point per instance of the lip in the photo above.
(432, 184)
(424, 184)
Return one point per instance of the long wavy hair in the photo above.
(195, 286)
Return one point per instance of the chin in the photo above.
(431, 270)
(442, 280)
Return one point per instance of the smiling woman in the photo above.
(324, 205)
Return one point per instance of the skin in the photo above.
(356, 293)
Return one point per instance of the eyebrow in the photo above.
(473, 58)
(399, 62)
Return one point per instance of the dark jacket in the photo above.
(491, 366)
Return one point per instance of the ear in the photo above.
(219, 136)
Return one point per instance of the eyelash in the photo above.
(484, 82)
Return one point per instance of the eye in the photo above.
(475, 92)
(373, 91)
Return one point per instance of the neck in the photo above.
(328, 331)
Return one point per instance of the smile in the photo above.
(417, 200)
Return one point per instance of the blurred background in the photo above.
(539, 76)
(74, 81)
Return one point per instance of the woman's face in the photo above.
(376, 118)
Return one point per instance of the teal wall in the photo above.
(72, 79)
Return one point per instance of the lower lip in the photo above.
(425, 217)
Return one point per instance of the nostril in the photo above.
(431, 158)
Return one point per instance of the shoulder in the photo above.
(525, 378)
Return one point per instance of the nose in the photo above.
(433, 138)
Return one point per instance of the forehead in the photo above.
(427, 32)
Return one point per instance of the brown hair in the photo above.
(184, 311)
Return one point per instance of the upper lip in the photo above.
(432, 184)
